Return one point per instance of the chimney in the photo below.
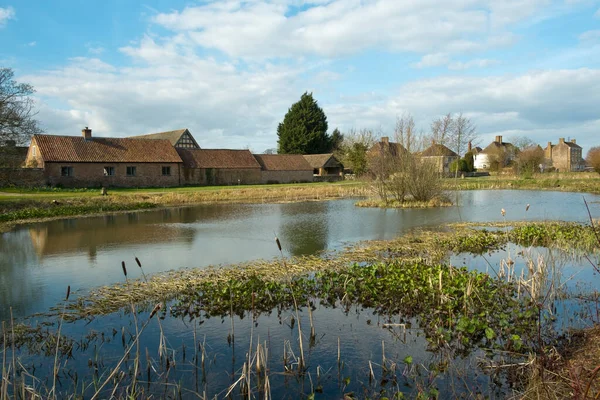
(385, 139)
(469, 147)
(498, 139)
(549, 145)
(561, 140)
(573, 141)
(87, 133)
(433, 142)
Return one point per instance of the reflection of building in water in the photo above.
(117, 230)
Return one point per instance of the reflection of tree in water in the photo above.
(304, 228)
(16, 289)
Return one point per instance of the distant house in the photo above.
(439, 155)
(219, 167)
(383, 155)
(284, 168)
(325, 164)
(497, 154)
(84, 161)
(473, 149)
(565, 156)
(181, 138)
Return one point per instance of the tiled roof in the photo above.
(218, 158)
(283, 162)
(321, 160)
(495, 146)
(573, 145)
(76, 149)
(171, 136)
(438, 150)
(393, 148)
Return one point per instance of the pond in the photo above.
(354, 349)
(39, 260)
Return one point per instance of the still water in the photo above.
(38, 261)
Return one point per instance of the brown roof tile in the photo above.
(322, 160)
(283, 162)
(218, 158)
(438, 150)
(171, 136)
(76, 149)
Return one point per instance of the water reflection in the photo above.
(39, 260)
(303, 229)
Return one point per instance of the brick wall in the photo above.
(29, 177)
(216, 176)
(287, 176)
(92, 175)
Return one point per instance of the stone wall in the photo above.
(92, 175)
(287, 176)
(220, 177)
(27, 177)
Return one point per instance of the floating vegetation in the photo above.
(433, 203)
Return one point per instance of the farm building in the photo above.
(284, 168)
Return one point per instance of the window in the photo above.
(131, 171)
(33, 151)
(109, 171)
(66, 171)
(166, 170)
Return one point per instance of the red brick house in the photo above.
(84, 161)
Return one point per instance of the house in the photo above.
(439, 155)
(181, 138)
(497, 154)
(383, 157)
(284, 168)
(219, 167)
(325, 165)
(473, 150)
(85, 161)
(565, 156)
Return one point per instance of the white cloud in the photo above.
(478, 63)
(432, 60)
(597, 14)
(540, 104)
(6, 14)
(32, 44)
(590, 36)
(340, 27)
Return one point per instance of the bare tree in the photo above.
(442, 128)
(463, 132)
(521, 142)
(17, 115)
(405, 133)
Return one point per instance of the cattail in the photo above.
(157, 307)
(124, 269)
(527, 208)
(278, 243)
(68, 292)
(503, 212)
(140, 264)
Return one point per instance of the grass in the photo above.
(18, 205)
(437, 202)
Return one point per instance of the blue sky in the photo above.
(229, 70)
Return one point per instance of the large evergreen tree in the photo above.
(304, 129)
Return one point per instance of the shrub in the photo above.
(593, 158)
